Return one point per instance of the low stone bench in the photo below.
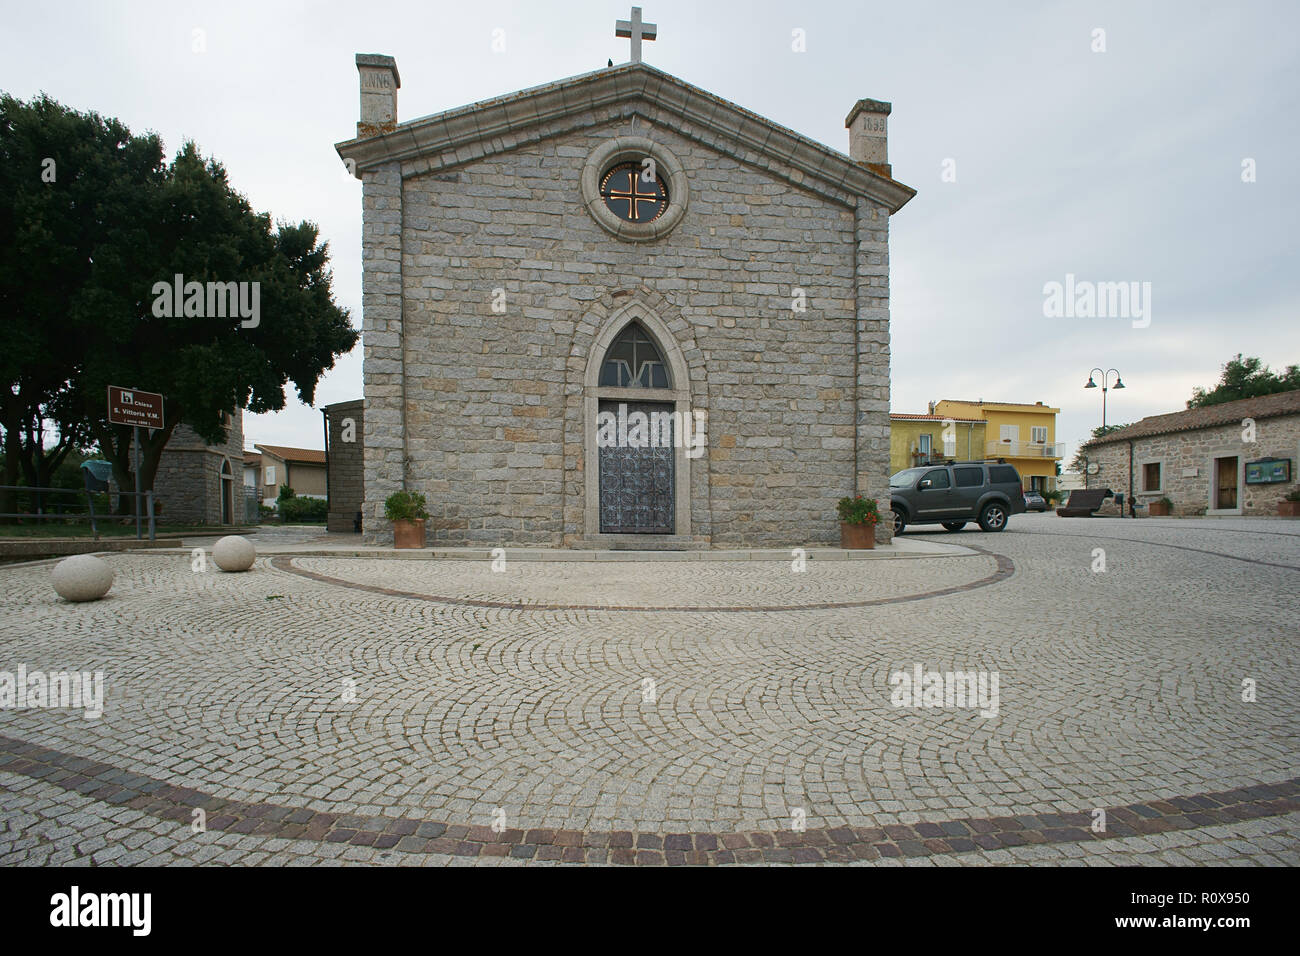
(1083, 502)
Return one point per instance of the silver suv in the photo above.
(952, 494)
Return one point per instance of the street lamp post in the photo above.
(1105, 377)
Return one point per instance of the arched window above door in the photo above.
(634, 361)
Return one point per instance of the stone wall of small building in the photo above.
(1182, 453)
(346, 463)
(797, 401)
(187, 485)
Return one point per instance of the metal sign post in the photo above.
(130, 406)
(136, 440)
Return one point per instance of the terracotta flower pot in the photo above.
(1158, 509)
(1288, 509)
(857, 536)
(408, 533)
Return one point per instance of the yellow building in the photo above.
(921, 439)
(1025, 435)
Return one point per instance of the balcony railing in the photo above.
(1025, 449)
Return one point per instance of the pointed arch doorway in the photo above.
(636, 398)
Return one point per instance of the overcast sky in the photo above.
(1123, 165)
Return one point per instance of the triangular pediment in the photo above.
(456, 137)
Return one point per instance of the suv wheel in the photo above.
(954, 525)
(994, 516)
(900, 521)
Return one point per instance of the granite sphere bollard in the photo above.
(82, 577)
(234, 553)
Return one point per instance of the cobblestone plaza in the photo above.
(354, 707)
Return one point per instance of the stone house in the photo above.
(1238, 458)
(545, 268)
(198, 483)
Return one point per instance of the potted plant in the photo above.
(858, 518)
(1160, 508)
(405, 509)
(1289, 507)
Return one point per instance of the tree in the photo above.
(115, 227)
(55, 165)
(1245, 378)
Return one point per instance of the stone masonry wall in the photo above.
(346, 465)
(798, 402)
(1185, 451)
(187, 484)
(381, 329)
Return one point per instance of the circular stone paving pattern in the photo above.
(306, 693)
(675, 585)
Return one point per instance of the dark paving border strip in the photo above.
(1005, 568)
(108, 784)
(1156, 544)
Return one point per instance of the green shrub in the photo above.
(297, 510)
(405, 506)
(858, 510)
(286, 493)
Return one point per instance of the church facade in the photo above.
(617, 311)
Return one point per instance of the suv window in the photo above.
(938, 478)
(969, 477)
(1003, 474)
(905, 478)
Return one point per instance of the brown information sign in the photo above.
(130, 406)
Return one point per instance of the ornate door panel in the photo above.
(636, 484)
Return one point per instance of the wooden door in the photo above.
(1227, 482)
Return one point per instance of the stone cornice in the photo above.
(462, 135)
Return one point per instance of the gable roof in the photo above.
(469, 133)
(305, 456)
(1211, 416)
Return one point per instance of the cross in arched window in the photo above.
(633, 361)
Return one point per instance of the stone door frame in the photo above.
(1212, 505)
(679, 396)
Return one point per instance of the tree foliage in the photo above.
(92, 218)
(1245, 378)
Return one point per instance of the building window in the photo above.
(634, 361)
(1151, 476)
(924, 446)
(937, 478)
(270, 474)
(1038, 433)
(629, 195)
(634, 188)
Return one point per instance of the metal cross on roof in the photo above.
(636, 30)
